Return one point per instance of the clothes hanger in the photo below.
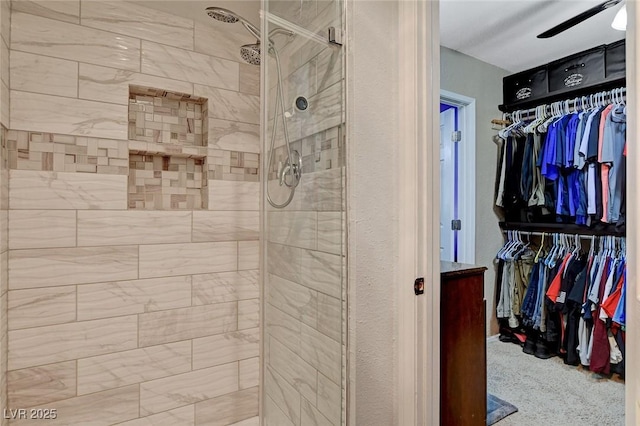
(537, 258)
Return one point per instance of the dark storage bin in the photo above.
(525, 86)
(615, 60)
(580, 70)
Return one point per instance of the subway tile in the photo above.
(328, 112)
(112, 85)
(98, 228)
(282, 393)
(4, 62)
(183, 416)
(229, 104)
(133, 297)
(248, 255)
(229, 408)
(284, 261)
(249, 372)
(56, 343)
(330, 232)
(187, 323)
(322, 272)
(274, 416)
(225, 287)
(330, 316)
(135, 366)
(293, 369)
(42, 228)
(329, 399)
(282, 327)
(4, 272)
(42, 74)
(139, 21)
(4, 105)
(225, 225)
(42, 385)
(220, 39)
(248, 314)
(252, 421)
(294, 299)
(164, 260)
(73, 42)
(321, 352)
(41, 306)
(166, 61)
(51, 267)
(234, 195)
(292, 228)
(250, 79)
(234, 136)
(225, 348)
(97, 409)
(66, 191)
(54, 114)
(61, 10)
(5, 20)
(4, 226)
(187, 388)
(311, 416)
(329, 68)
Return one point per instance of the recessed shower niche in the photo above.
(168, 134)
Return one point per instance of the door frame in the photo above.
(418, 316)
(632, 362)
(466, 163)
(419, 213)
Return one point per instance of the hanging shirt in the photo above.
(604, 168)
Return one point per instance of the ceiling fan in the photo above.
(620, 16)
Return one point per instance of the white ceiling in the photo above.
(500, 32)
(503, 32)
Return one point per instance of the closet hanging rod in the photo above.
(539, 234)
(572, 103)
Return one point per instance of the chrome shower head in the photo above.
(251, 53)
(225, 15)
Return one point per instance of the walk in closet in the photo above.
(549, 182)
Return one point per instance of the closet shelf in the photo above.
(564, 228)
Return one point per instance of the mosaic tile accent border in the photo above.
(322, 151)
(233, 165)
(66, 153)
(159, 182)
(167, 117)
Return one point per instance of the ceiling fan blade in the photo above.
(578, 18)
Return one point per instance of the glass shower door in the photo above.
(303, 216)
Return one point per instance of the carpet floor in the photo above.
(548, 392)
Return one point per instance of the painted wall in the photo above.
(372, 180)
(468, 76)
(117, 313)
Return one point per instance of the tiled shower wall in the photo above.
(5, 27)
(115, 315)
(305, 279)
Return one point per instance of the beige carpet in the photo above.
(548, 392)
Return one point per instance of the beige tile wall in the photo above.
(305, 345)
(111, 315)
(5, 39)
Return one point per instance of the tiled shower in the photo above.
(138, 256)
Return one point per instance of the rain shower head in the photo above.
(251, 53)
(225, 15)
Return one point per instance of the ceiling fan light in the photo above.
(620, 21)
